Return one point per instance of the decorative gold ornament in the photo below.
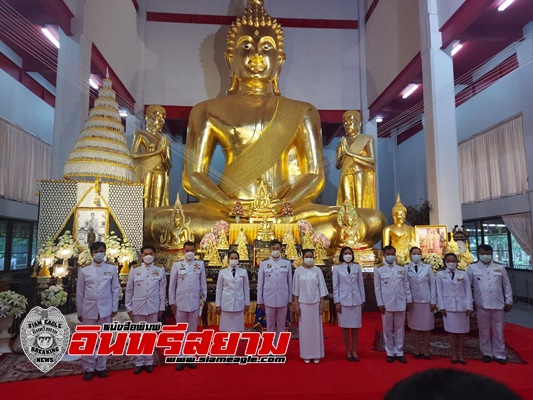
(290, 244)
(308, 241)
(402, 237)
(353, 229)
(265, 232)
(177, 231)
(242, 246)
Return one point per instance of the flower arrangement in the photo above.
(287, 210)
(237, 209)
(305, 226)
(221, 227)
(208, 240)
(54, 296)
(320, 239)
(12, 304)
(85, 257)
(113, 246)
(127, 253)
(47, 253)
(66, 247)
(435, 261)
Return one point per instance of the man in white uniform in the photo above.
(187, 291)
(274, 288)
(393, 298)
(493, 297)
(97, 294)
(145, 298)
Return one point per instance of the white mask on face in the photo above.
(309, 261)
(347, 258)
(275, 253)
(451, 265)
(98, 257)
(416, 258)
(233, 263)
(189, 255)
(148, 259)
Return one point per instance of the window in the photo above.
(17, 244)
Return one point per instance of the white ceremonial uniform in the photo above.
(233, 294)
(424, 293)
(454, 295)
(309, 285)
(97, 294)
(492, 291)
(187, 289)
(274, 290)
(349, 291)
(392, 291)
(145, 297)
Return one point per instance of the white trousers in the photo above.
(191, 318)
(151, 319)
(393, 332)
(89, 363)
(487, 321)
(276, 318)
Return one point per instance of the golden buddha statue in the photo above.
(177, 231)
(400, 236)
(308, 243)
(261, 206)
(242, 246)
(353, 229)
(223, 241)
(265, 232)
(290, 245)
(152, 157)
(262, 134)
(357, 161)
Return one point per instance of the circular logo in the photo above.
(44, 340)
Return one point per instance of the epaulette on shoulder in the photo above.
(83, 266)
(499, 263)
(136, 265)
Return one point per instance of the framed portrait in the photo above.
(431, 239)
(90, 225)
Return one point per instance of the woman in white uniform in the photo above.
(455, 304)
(349, 297)
(420, 316)
(309, 290)
(232, 295)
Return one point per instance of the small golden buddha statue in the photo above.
(213, 256)
(261, 206)
(223, 241)
(265, 232)
(242, 246)
(357, 161)
(308, 240)
(353, 229)
(399, 235)
(290, 245)
(177, 231)
(152, 157)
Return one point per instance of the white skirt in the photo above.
(231, 321)
(350, 317)
(456, 322)
(310, 331)
(420, 317)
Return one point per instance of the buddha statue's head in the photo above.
(254, 51)
(155, 118)
(352, 122)
(399, 212)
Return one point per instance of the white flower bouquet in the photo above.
(305, 226)
(85, 257)
(127, 253)
(47, 253)
(435, 261)
(113, 246)
(320, 239)
(221, 227)
(54, 296)
(208, 240)
(12, 304)
(66, 247)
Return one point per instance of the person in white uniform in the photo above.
(393, 297)
(455, 304)
(309, 289)
(274, 288)
(145, 298)
(349, 297)
(187, 291)
(233, 295)
(423, 291)
(97, 293)
(493, 296)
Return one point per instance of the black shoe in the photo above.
(350, 358)
(426, 357)
(149, 368)
(138, 369)
(501, 361)
(390, 359)
(417, 356)
(101, 374)
(180, 366)
(191, 365)
(88, 375)
(462, 362)
(454, 361)
(486, 359)
(401, 359)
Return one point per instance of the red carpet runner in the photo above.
(334, 377)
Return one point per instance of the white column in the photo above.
(72, 90)
(439, 121)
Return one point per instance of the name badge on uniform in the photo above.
(399, 272)
(283, 266)
(155, 273)
(460, 279)
(107, 273)
(497, 270)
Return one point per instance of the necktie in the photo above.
(233, 272)
(416, 268)
(349, 271)
(453, 275)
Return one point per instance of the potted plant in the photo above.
(54, 296)
(12, 305)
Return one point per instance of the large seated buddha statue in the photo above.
(263, 135)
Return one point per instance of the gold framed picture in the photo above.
(431, 239)
(90, 225)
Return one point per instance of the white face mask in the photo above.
(189, 255)
(390, 259)
(416, 258)
(451, 265)
(98, 257)
(148, 259)
(233, 263)
(347, 258)
(275, 253)
(309, 261)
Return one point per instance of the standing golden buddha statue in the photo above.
(152, 157)
(263, 136)
(357, 161)
(399, 235)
